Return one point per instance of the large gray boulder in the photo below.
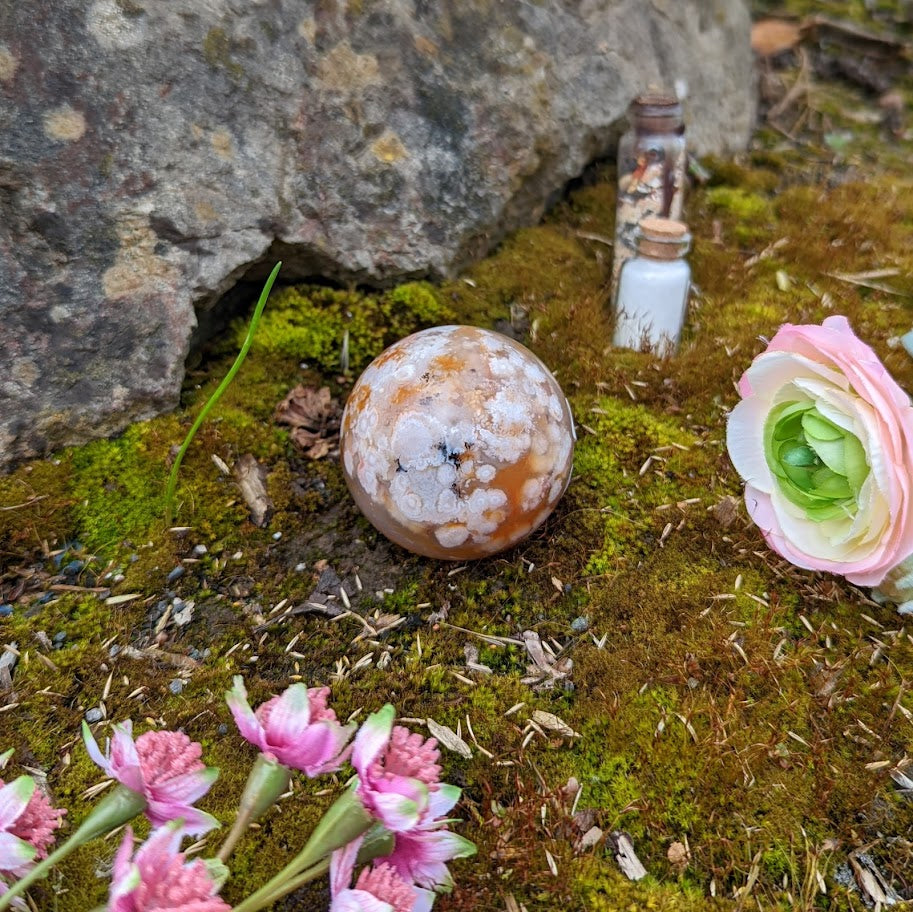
(154, 152)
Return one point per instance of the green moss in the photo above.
(602, 888)
(311, 323)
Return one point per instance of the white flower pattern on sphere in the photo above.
(457, 442)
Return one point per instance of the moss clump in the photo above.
(311, 323)
(118, 487)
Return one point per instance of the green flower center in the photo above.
(819, 466)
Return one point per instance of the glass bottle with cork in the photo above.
(652, 158)
(652, 296)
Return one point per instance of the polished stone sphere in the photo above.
(457, 442)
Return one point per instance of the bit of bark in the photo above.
(871, 881)
(726, 510)
(625, 856)
(251, 478)
(8, 659)
(546, 669)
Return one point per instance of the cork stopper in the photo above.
(657, 113)
(662, 238)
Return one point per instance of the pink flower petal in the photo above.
(15, 853)
(196, 822)
(187, 788)
(14, 798)
(342, 864)
(359, 901)
(289, 716)
(372, 737)
(442, 800)
(395, 811)
(247, 722)
(93, 750)
(124, 762)
(123, 855)
(317, 750)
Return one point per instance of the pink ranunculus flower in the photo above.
(159, 879)
(163, 767)
(295, 727)
(420, 855)
(378, 889)
(823, 437)
(397, 771)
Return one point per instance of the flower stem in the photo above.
(214, 398)
(119, 807)
(345, 820)
(268, 779)
(264, 898)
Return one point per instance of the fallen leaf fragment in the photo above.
(251, 477)
(123, 599)
(553, 723)
(313, 416)
(589, 839)
(449, 738)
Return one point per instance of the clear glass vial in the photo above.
(652, 296)
(652, 157)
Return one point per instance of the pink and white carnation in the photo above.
(378, 889)
(37, 821)
(160, 879)
(823, 438)
(164, 768)
(16, 850)
(420, 854)
(296, 727)
(397, 771)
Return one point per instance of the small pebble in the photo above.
(300, 568)
(117, 578)
(6, 610)
(94, 715)
(73, 567)
(176, 686)
(580, 625)
(277, 536)
(223, 729)
(133, 558)
(199, 550)
(175, 574)
(113, 651)
(59, 637)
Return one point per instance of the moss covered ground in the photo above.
(737, 718)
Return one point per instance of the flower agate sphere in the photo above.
(457, 442)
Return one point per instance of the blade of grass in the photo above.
(214, 398)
